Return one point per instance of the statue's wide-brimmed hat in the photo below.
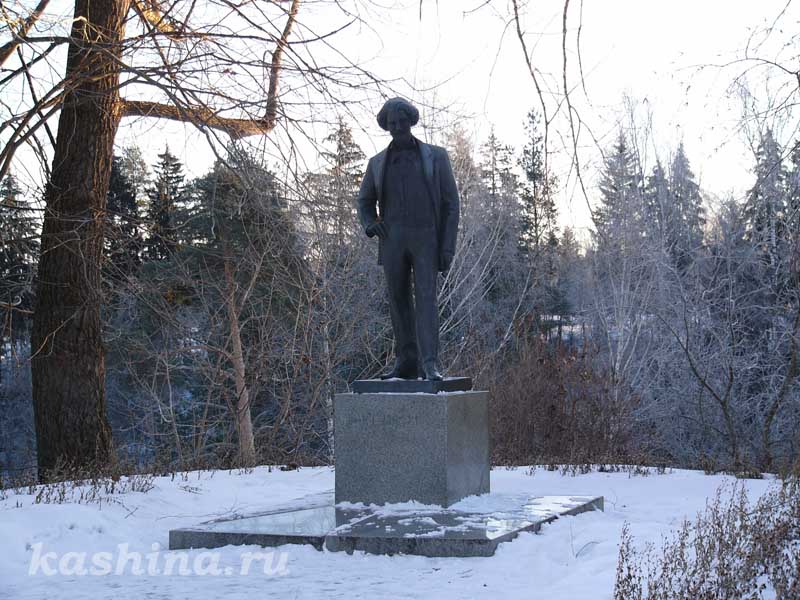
(398, 104)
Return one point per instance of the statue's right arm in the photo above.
(368, 199)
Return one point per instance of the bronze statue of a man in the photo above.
(409, 199)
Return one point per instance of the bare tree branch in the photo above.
(201, 116)
(150, 12)
(532, 72)
(7, 49)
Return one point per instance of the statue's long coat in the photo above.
(441, 189)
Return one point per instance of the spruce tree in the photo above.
(619, 217)
(165, 197)
(123, 240)
(460, 150)
(688, 215)
(19, 247)
(656, 205)
(673, 210)
(765, 210)
(345, 158)
(337, 188)
(539, 211)
(134, 167)
(496, 169)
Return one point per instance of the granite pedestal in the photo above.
(394, 447)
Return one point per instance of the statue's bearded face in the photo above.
(399, 125)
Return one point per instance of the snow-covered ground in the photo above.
(572, 558)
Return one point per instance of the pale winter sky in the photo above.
(650, 51)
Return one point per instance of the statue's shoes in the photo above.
(432, 373)
(401, 373)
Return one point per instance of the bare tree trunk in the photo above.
(68, 365)
(244, 423)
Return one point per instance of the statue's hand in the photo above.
(378, 228)
(445, 261)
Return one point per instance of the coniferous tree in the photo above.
(672, 210)
(19, 247)
(460, 150)
(500, 189)
(537, 233)
(656, 205)
(767, 216)
(496, 169)
(165, 197)
(688, 215)
(123, 240)
(134, 167)
(334, 190)
(568, 257)
(765, 209)
(346, 157)
(619, 217)
(539, 211)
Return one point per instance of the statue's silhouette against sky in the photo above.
(409, 200)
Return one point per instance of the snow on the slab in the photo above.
(417, 520)
(572, 558)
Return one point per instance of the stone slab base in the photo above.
(425, 531)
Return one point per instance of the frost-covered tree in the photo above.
(332, 192)
(460, 148)
(618, 218)
(621, 279)
(685, 233)
(497, 171)
(134, 167)
(765, 209)
(672, 210)
(656, 204)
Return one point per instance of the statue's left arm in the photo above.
(449, 211)
(367, 200)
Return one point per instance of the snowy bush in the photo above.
(734, 550)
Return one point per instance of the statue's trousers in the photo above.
(412, 251)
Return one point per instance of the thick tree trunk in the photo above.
(68, 365)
